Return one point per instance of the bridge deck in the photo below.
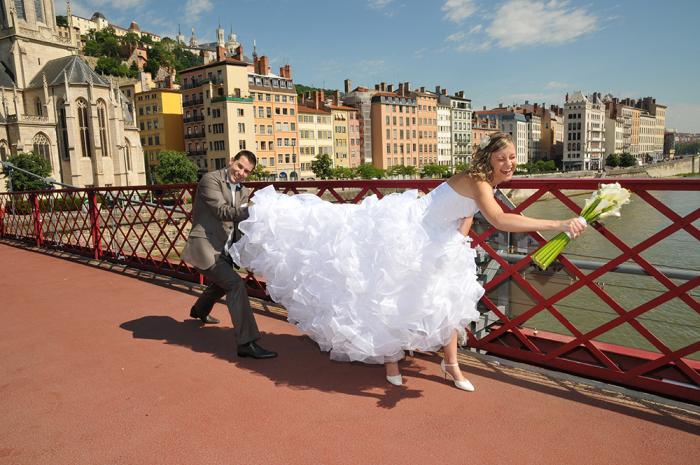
(104, 368)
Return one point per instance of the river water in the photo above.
(675, 322)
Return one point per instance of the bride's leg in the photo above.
(450, 356)
(393, 375)
(392, 368)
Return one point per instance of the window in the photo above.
(62, 131)
(240, 112)
(241, 144)
(19, 7)
(241, 128)
(127, 154)
(41, 146)
(84, 128)
(102, 120)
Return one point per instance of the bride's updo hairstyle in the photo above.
(480, 167)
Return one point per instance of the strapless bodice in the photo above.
(444, 205)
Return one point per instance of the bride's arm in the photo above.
(511, 222)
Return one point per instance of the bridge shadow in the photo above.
(300, 365)
(677, 415)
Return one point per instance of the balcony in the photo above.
(231, 98)
(194, 135)
(193, 119)
(192, 102)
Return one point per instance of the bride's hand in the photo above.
(574, 226)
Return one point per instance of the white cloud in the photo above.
(557, 85)
(379, 4)
(458, 10)
(475, 29)
(470, 46)
(456, 37)
(195, 8)
(531, 22)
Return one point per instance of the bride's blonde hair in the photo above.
(480, 167)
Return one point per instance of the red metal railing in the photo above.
(146, 227)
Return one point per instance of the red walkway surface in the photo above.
(98, 367)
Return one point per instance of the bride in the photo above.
(370, 281)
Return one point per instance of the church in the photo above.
(53, 104)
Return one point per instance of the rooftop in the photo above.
(102, 365)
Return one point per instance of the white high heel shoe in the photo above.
(396, 380)
(463, 384)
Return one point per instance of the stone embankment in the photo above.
(689, 164)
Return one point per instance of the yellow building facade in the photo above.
(159, 118)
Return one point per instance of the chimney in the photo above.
(376, 87)
(317, 99)
(500, 105)
(422, 89)
(336, 97)
(382, 86)
(407, 86)
(220, 53)
(438, 90)
(390, 88)
(264, 65)
(444, 91)
(348, 86)
(402, 89)
(238, 55)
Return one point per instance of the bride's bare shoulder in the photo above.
(468, 185)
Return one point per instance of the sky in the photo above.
(505, 51)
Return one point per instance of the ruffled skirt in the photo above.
(364, 281)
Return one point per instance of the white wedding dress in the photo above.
(370, 280)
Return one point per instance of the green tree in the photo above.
(688, 148)
(259, 173)
(112, 66)
(133, 70)
(175, 168)
(342, 172)
(369, 171)
(33, 163)
(612, 160)
(459, 167)
(401, 170)
(627, 159)
(434, 171)
(322, 166)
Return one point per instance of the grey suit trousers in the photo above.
(225, 281)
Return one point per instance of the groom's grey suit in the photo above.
(219, 206)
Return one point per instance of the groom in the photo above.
(220, 204)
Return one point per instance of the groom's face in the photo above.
(240, 169)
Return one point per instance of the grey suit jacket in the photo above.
(215, 214)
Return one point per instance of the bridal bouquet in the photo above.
(606, 201)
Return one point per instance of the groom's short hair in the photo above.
(249, 155)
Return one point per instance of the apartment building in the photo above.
(315, 136)
(394, 119)
(481, 129)
(584, 125)
(461, 117)
(159, 118)
(512, 122)
(360, 98)
(218, 112)
(426, 118)
(275, 119)
(344, 139)
(444, 131)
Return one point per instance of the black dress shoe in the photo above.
(252, 349)
(205, 319)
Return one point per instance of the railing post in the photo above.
(94, 213)
(36, 214)
(2, 220)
